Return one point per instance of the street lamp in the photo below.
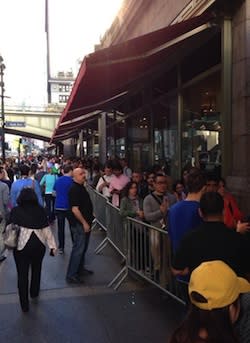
(2, 67)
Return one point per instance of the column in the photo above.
(102, 138)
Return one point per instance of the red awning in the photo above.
(105, 75)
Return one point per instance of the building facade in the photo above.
(192, 106)
(61, 87)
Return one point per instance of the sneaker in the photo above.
(60, 251)
(74, 279)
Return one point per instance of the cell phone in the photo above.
(51, 252)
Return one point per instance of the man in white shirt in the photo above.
(104, 181)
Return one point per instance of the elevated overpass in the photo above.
(35, 122)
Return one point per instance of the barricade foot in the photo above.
(123, 271)
(102, 245)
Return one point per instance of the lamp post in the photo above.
(2, 67)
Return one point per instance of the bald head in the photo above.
(79, 175)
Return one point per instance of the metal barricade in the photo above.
(145, 249)
(149, 256)
(99, 204)
(108, 217)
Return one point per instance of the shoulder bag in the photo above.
(11, 235)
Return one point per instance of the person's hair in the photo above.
(177, 182)
(117, 166)
(108, 165)
(216, 322)
(67, 168)
(24, 170)
(211, 203)
(33, 168)
(27, 196)
(222, 180)
(212, 177)
(160, 175)
(1, 170)
(126, 189)
(195, 180)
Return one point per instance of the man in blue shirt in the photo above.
(184, 215)
(61, 188)
(25, 181)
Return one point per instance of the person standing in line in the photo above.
(61, 188)
(104, 181)
(34, 233)
(156, 206)
(126, 170)
(4, 201)
(232, 213)
(117, 184)
(80, 225)
(178, 190)
(184, 215)
(216, 295)
(137, 177)
(24, 182)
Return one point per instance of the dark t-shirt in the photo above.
(78, 196)
(213, 241)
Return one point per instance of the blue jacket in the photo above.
(18, 185)
(62, 186)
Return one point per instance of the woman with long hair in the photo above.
(34, 233)
(214, 292)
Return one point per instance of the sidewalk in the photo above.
(90, 313)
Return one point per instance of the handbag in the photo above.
(11, 235)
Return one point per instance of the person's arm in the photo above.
(42, 182)
(242, 227)
(150, 214)
(6, 196)
(38, 192)
(50, 239)
(77, 213)
(182, 272)
(181, 260)
(101, 184)
(125, 209)
(13, 194)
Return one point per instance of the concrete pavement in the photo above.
(90, 313)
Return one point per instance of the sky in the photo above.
(75, 27)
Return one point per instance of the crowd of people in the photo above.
(209, 234)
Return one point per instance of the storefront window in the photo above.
(166, 136)
(139, 142)
(202, 126)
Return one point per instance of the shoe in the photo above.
(60, 251)
(74, 279)
(35, 299)
(25, 309)
(2, 258)
(86, 271)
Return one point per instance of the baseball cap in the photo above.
(217, 283)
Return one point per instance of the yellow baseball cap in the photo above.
(217, 283)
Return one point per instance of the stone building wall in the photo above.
(239, 180)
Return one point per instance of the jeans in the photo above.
(61, 216)
(49, 204)
(79, 248)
